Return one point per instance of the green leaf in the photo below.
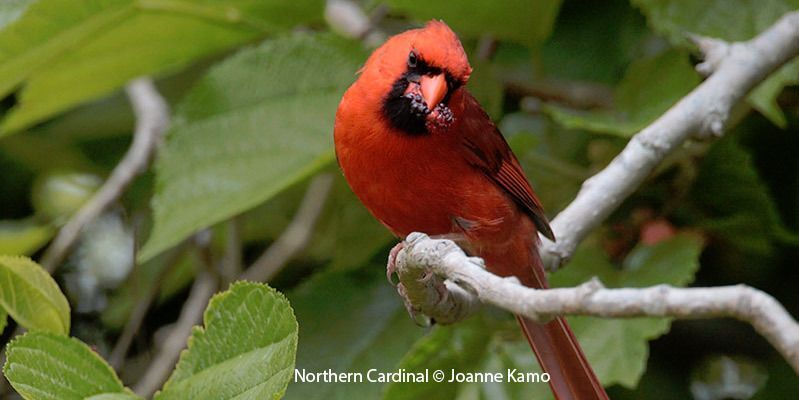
(649, 87)
(47, 366)
(459, 347)
(246, 350)
(23, 237)
(731, 20)
(526, 21)
(735, 202)
(618, 348)
(86, 49)
(349, 322)
(258, 122)
(31, 296)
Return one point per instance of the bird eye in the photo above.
(412, 59)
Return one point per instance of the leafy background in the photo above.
(254, 85)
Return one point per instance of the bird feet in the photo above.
(391, 267)
(429, 279)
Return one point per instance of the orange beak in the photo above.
(434, 88)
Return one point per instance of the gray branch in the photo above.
(425, 266)
(735, 69)
(152, 118)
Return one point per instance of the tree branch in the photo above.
(425, 264)
(736, 69)
(152, 118)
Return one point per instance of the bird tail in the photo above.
(554, 344)
(557, 350)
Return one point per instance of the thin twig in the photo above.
(143, 303)
(348, 19)
(580, 95)
(205, 284)
(152, 118)
(296, 235)
(231, 260)
(454, 269)
(736, 69)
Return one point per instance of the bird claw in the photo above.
(419, 319)
(391, 267)
(441, 288)
(443, 293)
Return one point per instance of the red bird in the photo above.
(422, 155)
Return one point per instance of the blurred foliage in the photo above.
(527, 22)
(254, 86)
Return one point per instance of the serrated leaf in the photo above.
(257, 123)
(349, 322)
(618, 348)
(23, 237)
(525, 21)
(649, 87)
(86, 49)
(47, 366)
(246, 349)
(31, 296)
(731, 20)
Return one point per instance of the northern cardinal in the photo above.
(421, 154)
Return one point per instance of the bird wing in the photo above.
(487, 150)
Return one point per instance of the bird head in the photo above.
(418, 72)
